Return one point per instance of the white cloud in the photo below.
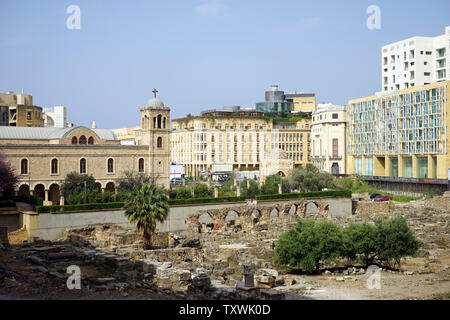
(210, 9)
(303, 25)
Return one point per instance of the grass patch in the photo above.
(401, 198)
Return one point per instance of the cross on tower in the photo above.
(154, 91)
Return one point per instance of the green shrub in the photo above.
(355, 184)
(183, 193)
(361, 239)
(402, 198)
(131, 179)
(74, 184)
(79, 207)
(271, 183)
(227, 189)
(309, 243)
(395, 240)
(30, 199)
(250, 192)
(310, 179)
(206, 200)
(202, 191)
(92, 196)
(314, 194)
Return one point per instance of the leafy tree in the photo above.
(202, 191)
(8, 178)
(145, 206)
(253, 189)
(309, 243)
(183, 193)
(355, 184)
(310, 179)
(271, 183)
(132, 179)
(361, 239)
(395, 240)
(227, 189)
(93, 196)
(311, 167)
(74, 184)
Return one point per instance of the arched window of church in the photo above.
(74, 140)
(154, 122)
(83, 165)
(159, 142)
(164, 122)
(54, 166)
(91, 140)
(24, 166)
(110, 165)
(159, 121)
(141, 165)
(82, 140)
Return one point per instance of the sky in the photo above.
(199, 54)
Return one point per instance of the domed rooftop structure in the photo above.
(155, 102)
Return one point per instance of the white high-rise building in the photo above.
(55, 117)
(415, 61)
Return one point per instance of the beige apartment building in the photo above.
(42, 157)
(17, 110)
(244, 138)
(328, 131)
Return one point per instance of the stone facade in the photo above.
(243, 141)
(42, 157)
(255, 217)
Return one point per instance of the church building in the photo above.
(43, 156)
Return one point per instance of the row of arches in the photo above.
(159, 122)
(216, 218)
(82, 140)
(53, 192)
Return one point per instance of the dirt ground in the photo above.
(424, 277)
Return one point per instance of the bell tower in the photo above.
(155, 129)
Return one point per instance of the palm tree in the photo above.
(145, 206)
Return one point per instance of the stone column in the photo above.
(248, 276)
(431, 168)
(216, 193)
(103, 189)
(238, 191)
(415, 166)
(61, 200)
(363, 165)
(387, 166)
(280, 190)
(46, 201)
